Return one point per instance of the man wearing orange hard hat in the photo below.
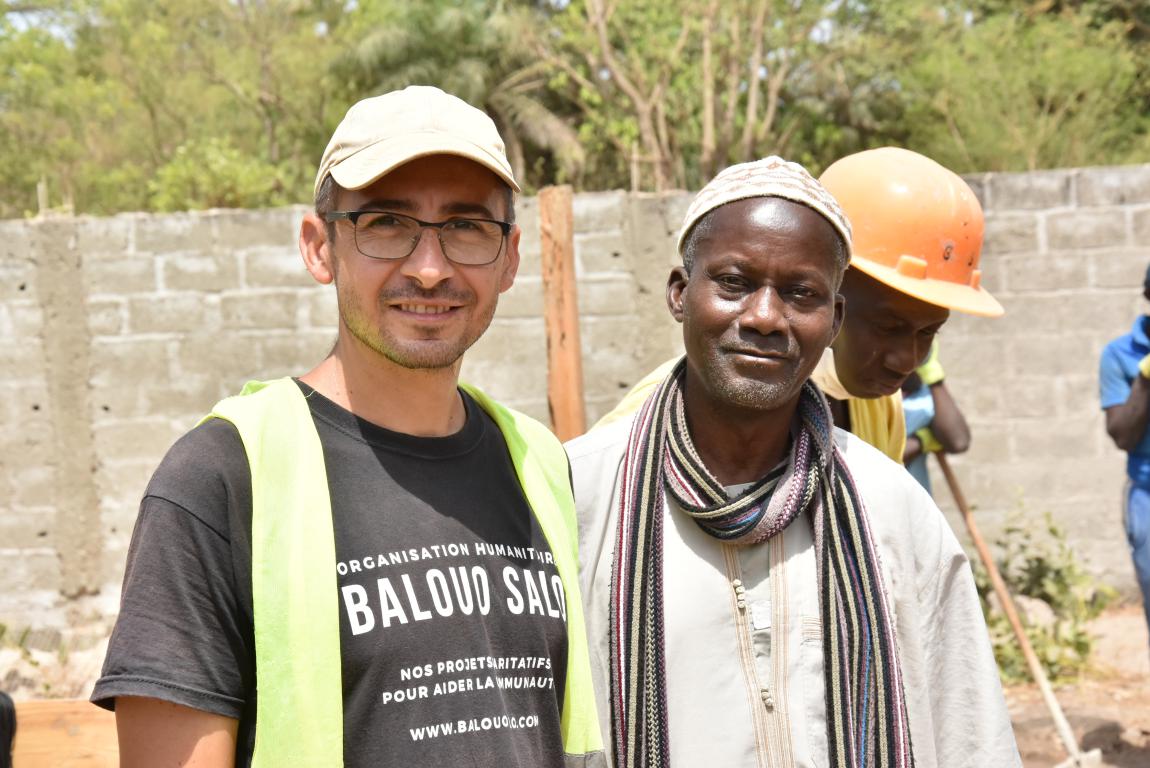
(914, 258)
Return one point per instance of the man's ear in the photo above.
(676, 284)
(511, 265)
(840, 315)
(316, 249)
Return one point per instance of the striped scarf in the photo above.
(866, 711)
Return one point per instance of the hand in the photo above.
(1144, 367)
(912, 450)
(929, 442)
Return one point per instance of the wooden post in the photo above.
(561, 311)
(42, 196)
(635, 183)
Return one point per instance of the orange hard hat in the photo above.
(917, 227)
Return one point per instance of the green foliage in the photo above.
(98, 96)
(148, 104)
(642, 38)
(480, 52)
(694, 85)
(43, 98)
(1040, 565)
(214, 174)
(1010, 92)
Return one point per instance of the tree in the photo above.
(671, 91)
(112, 105)
(43, 100)
(212, 173)
(99, 96)
(479, 52)
(1013, 91)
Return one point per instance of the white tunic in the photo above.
(745, 681)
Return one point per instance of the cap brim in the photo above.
(375, 161)
(942, 293)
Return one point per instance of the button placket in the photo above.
(740, 594)
(746, 652)
(768, 699)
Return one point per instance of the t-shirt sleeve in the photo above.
(1113, 383)
(184, 631)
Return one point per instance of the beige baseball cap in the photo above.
(382, 133)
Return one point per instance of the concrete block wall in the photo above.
(1066, 252)
(624, 251)
(117, 334)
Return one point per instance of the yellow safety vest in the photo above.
(299, 710)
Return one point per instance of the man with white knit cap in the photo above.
(370, 564)
(762, 588)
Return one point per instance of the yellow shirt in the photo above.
(878, 421)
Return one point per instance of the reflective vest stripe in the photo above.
(295, 608)
(543, 472)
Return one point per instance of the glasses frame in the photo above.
(353, 216)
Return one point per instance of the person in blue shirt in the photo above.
(1124, 380)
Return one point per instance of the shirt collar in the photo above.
(1138, 334)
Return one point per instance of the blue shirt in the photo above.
(918, 407)
(1116, 373)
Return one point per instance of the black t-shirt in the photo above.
(452, 614)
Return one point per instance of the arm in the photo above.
(913, 449)
(182, 644)
(958, 715)
(949, 425)
(1126, 423)
(954, 701)
(971, 724)
(159, 733)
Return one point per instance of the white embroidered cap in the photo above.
(770, 177)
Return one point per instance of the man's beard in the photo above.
(414, 353)
(717, 369)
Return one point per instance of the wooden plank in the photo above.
(64, 733)
(561, 311)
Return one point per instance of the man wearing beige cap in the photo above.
(762, 588)
(371, 564)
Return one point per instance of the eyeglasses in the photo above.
(392, 236)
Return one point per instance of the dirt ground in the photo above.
(1108, 709)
